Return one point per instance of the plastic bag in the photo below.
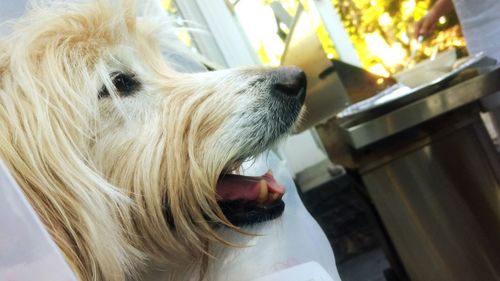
(26, 250)
(293, 239)
(28, 253)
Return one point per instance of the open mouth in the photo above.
(248, 200)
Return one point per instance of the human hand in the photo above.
(426, 25)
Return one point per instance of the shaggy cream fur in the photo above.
(102, 172)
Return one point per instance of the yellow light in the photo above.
(385, 19)
(380, 81)
(408, 8)
(330, 56)
(367, 20)
(404, 38)
(379, 70)
(390, 55)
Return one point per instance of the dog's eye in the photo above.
(125, 84)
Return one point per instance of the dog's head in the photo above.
(89, 91)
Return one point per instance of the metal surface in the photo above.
(399, 95)
(359, 83)
(440, 203)
(422, 110)
(433, 174)
(332, 86)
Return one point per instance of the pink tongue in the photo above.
(244, 188)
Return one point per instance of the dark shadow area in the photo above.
(345, 214)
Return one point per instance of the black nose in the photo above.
(291, 82)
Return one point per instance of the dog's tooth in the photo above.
(263, 192)
(273, 197)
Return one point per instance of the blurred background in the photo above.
(397, 157)
(380, 156)
(380, 32)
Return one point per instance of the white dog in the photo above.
(125, 160)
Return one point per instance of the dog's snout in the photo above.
(290, 82)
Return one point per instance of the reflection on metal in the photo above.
(332, 86)
(400, 94)
(359, 83)
(422, 110)
(440, 203)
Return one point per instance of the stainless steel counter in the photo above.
(422, 110)
(433, 174)
(440, 203)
